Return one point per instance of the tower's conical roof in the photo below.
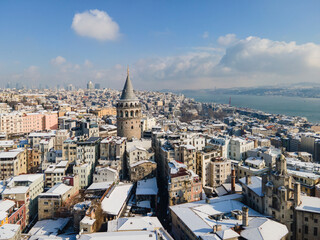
(127, 92)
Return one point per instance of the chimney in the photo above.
(233, 180)
(297, 193)
(245, 216)
(217, 228)
(248, 180)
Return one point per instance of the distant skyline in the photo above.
(167, 44)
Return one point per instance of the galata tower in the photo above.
(128, 112)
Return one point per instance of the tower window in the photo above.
(131, 127)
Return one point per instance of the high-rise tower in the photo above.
(128, 112)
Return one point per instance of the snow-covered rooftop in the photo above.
(113, 202)
(58, 189)
(147, 187)
(8, 231)
(264, 229)
(49, 227)
(255, 185)
(309, 204)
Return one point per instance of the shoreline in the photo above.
(289, 106)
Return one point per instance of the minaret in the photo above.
(128, 112)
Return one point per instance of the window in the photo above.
(315, 231)
(306, 219)
(306, 229)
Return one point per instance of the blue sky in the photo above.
(168, 44)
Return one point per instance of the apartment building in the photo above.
(11, 123)
(105, 174)
(141, 170)
(17, 122)
(61, 136)
(13, 163)
(204, 158)
(69, 150)
(252, 166)
(51, 201)
(187, 155)
(55, 173)
(83, 170)
(184, 185)
(13, 212)
(238, 148)
(25, 189)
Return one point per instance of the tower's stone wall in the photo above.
(129, 119)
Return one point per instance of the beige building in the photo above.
(13, 163)
(308, 218)
(219, 172)
(11, 123)
(142, 169)
(61, 136)
(308, 180)
(184, 185)
(278, 195)
(113, 149)
(87, 225)
(213, 169)
(204, 157)
(251, 167)
(187, 155)
(55, 173)
(101, 112)
(50, 202)
(33, 160)
(69, 150)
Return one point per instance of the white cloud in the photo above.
(227, 39)
(255, 54)
(246, 62)
(205, 35)
(95, 24)
(58, 60)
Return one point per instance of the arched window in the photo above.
(121, 113)
(131, 113)
(131, 105)
(131, 127)
(137, 113)
(126, 114)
